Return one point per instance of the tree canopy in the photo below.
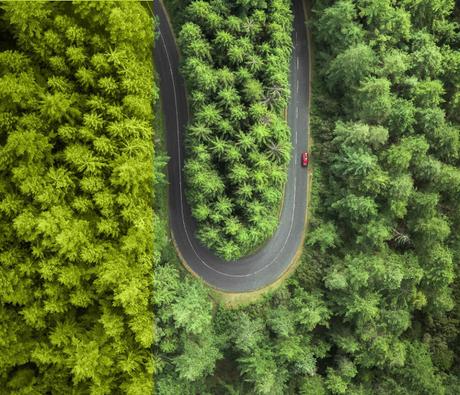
(374, 306)
(236, 59)
(76, 177)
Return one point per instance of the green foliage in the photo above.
(236, 63)
(384, 217)
(374, 306)
(76, 215)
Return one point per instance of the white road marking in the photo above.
(297, 64)
(297, 86)
(293, 161)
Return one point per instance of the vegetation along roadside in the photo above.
(236, 65)
(373, 308)
(76, 218)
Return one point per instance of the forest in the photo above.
(236, 65)
(76, 185)
(374, 306)
(93, 298)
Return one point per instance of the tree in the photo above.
(80, 269)
(339, 18)
(198, 359)
(350, 67)
(374, 100)
(236, 94)
(426, 56)
(373, 306)
(249, 334)
(260, 368)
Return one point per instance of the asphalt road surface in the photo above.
(270, 262)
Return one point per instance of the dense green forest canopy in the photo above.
(374, 307)
(76, 219)
(236, 62)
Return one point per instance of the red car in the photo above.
(304, 159)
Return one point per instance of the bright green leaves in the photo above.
(128, 27)
(75, 198)
(310, 310)
(18, 91)
(29, 22)
(87, 361)
(194, 43)
(236, 64)
(198, 359)
(28, 146)
(249, 334)
(192, 310)
(59, 107)
(81, 159)
(185, 312)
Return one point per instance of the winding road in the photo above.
(279, 253)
